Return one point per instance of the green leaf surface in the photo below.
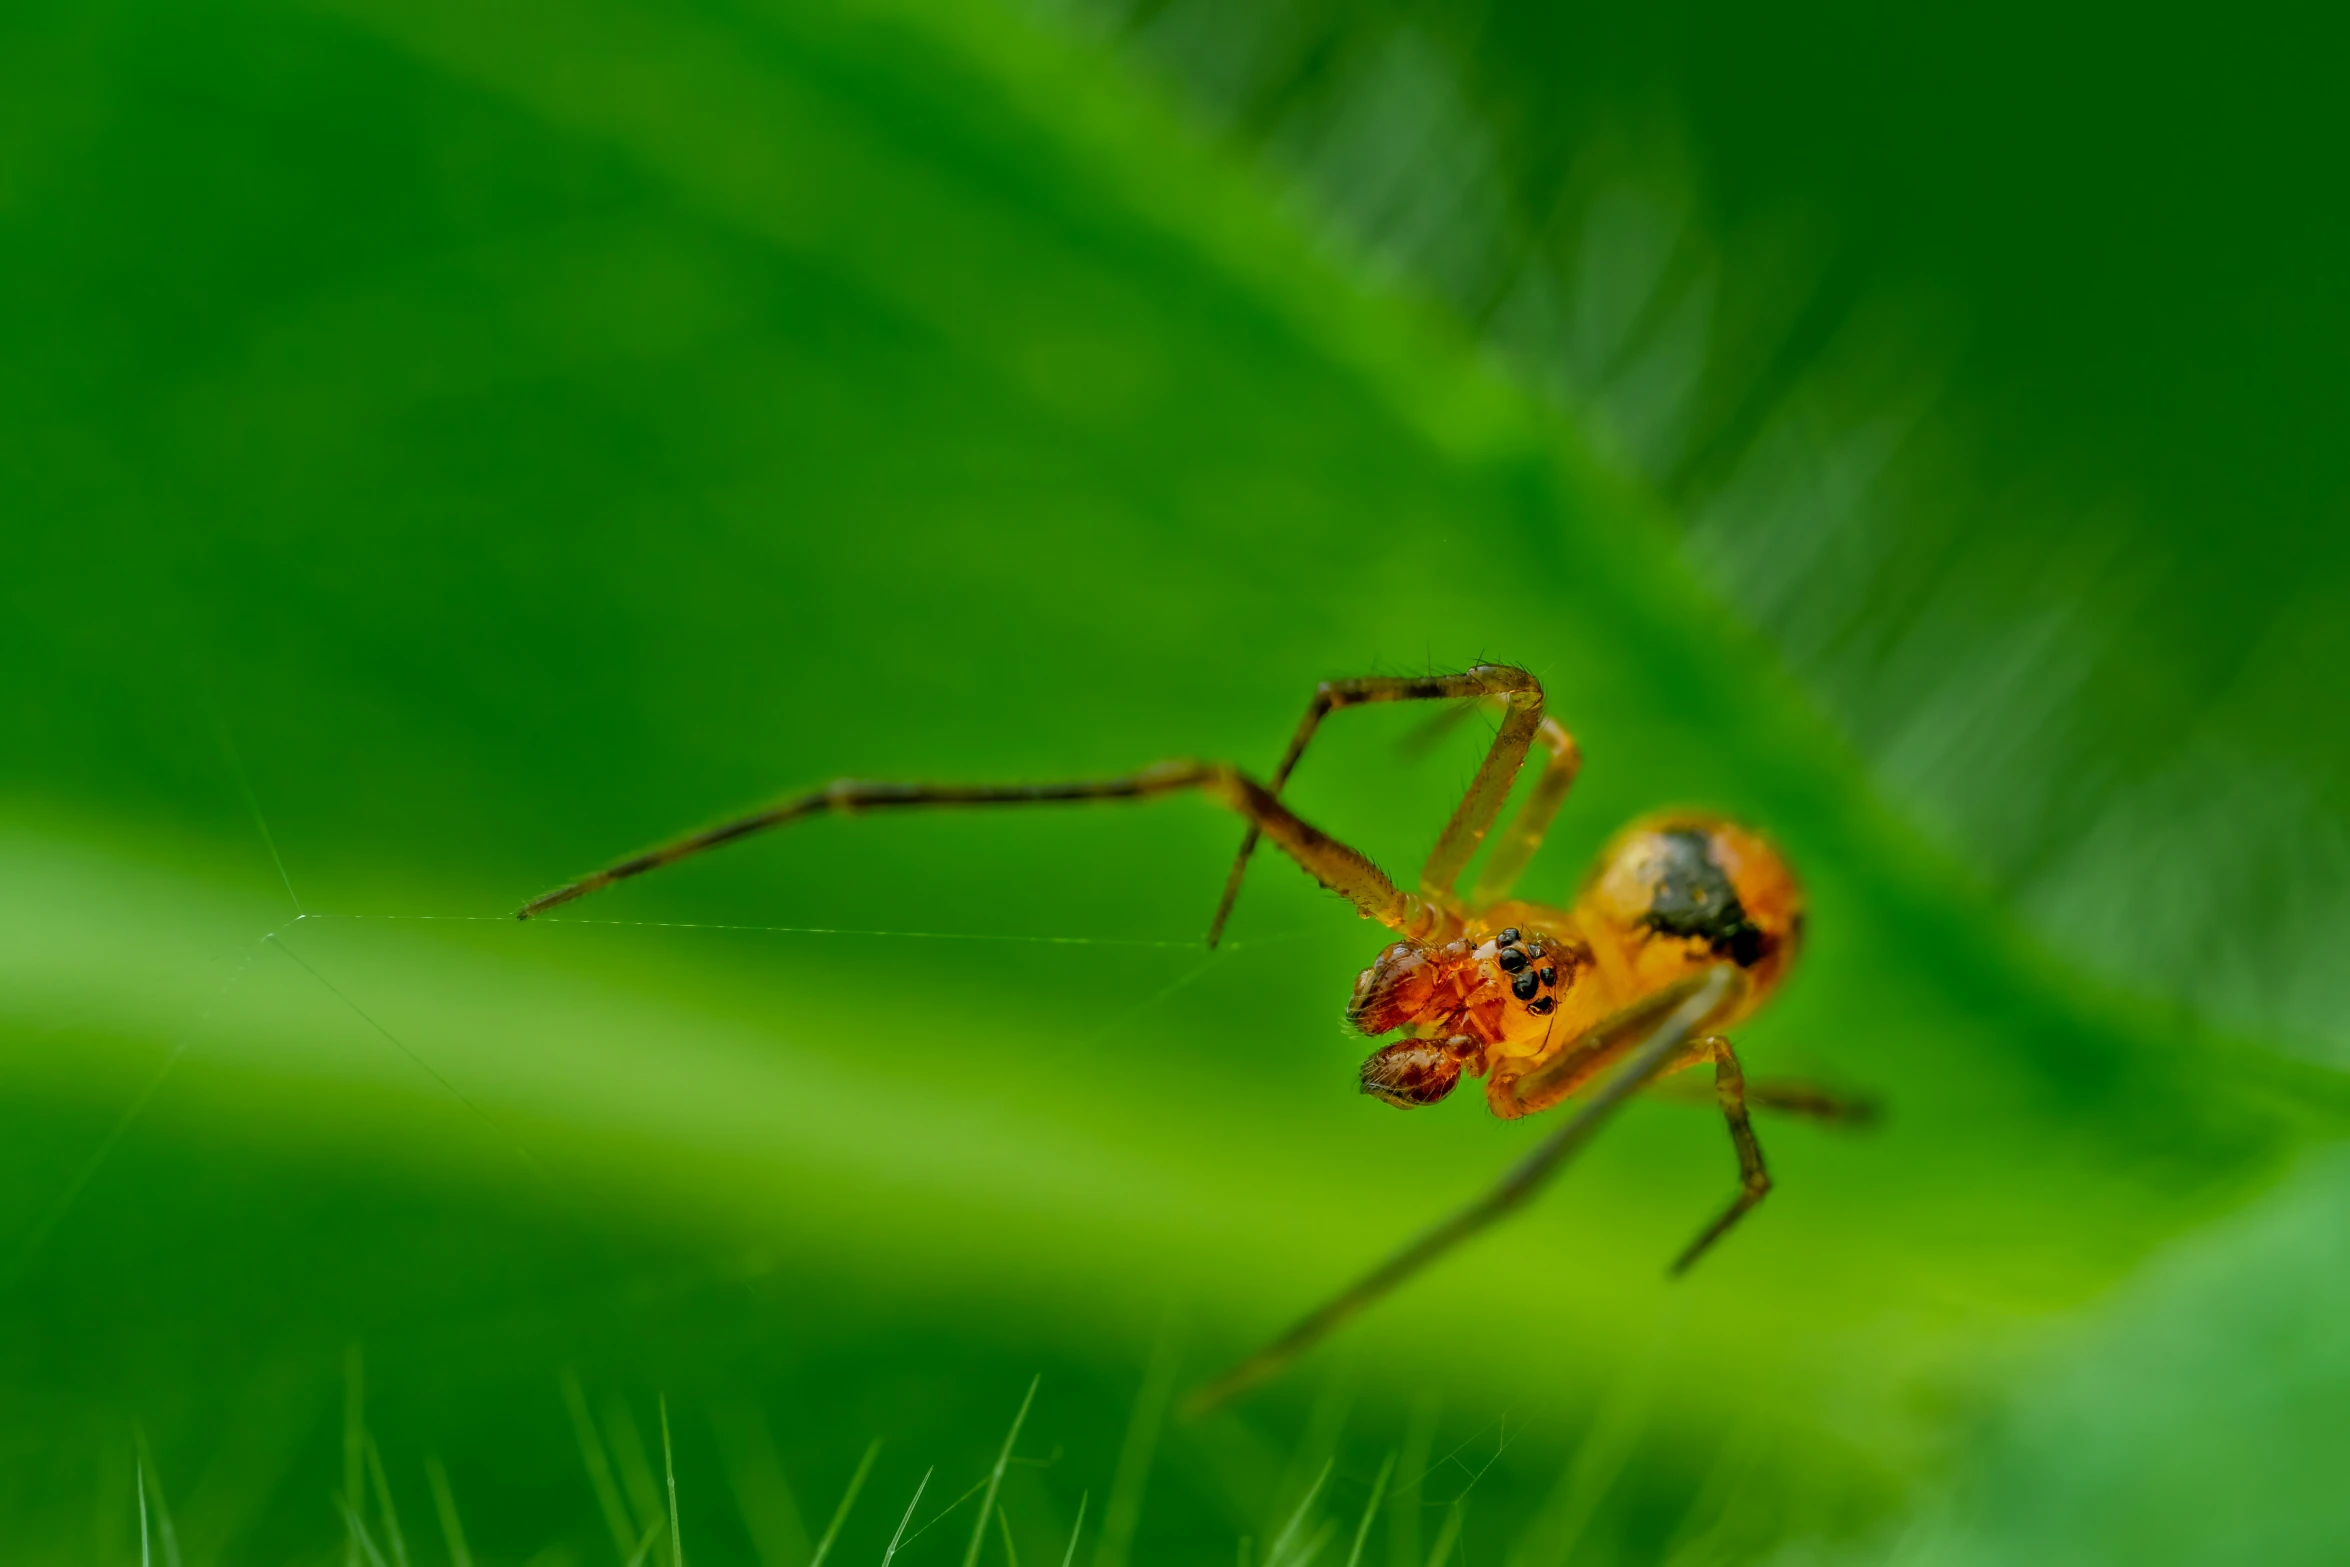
(452, 448)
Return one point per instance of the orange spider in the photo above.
(1684, 927)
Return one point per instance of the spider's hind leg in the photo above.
(1795, 1096)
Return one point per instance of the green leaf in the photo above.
(455, 447)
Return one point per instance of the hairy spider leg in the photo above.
(1554, 775)
(1343, 870)
(1655, 1030)
(1522, 721)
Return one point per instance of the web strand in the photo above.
(427, 1067)
(236, 767)
(38, 1236)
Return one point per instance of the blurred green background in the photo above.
(450, 446)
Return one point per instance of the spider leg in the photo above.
(1567, 1070)
(1554, 775)
(1785, 1096)
(1795, 1096)
(1653, 1030)
(1522, 721)
(1343, 870)
(1754, 1182)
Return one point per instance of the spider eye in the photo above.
(1524, 986)
(1508, 938)
(1544, 1007)
(1511, 960)
(1550, 976)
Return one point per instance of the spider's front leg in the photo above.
(1343, 870)
(1523, 724)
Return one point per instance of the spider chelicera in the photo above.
(1685, 925)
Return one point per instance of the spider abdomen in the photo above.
(1681, 890)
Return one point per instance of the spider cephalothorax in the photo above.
(1465, 1001)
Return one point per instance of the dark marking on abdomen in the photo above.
(1694, 898)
